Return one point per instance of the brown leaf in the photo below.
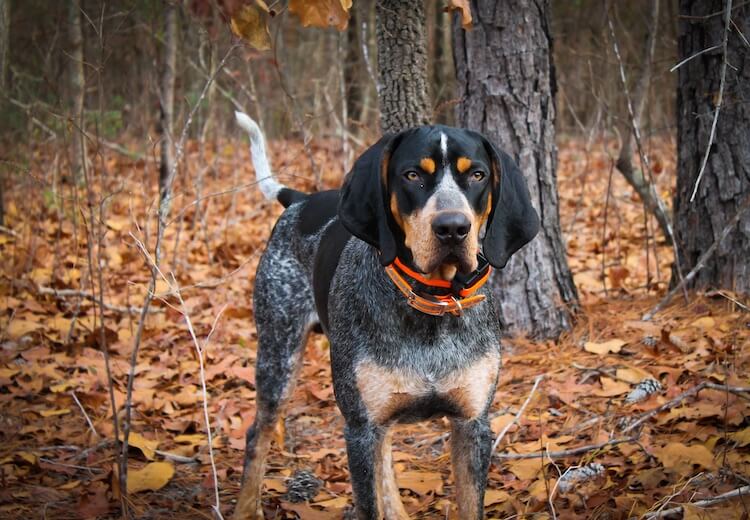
(464, 9)
(613, 345)
(421, 482)
(249, 23)
(322, 13)
(680, 458)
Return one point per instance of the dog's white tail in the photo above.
(267, 183)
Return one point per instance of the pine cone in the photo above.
(302, 486)
(643, 391)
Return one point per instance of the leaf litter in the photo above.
(611, 370)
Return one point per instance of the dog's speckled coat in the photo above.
(390, 362)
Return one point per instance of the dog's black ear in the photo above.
(363, 205)
(513, 221)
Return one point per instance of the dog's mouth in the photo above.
(451, 261)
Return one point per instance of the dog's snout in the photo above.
(451, 228)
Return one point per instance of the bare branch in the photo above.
(727, 18)
(744, 490)
(565, 453)
(701, 261)
(515, 420)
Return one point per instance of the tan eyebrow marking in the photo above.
(463, 164)
(427, 165)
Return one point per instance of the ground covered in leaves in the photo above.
(587, 445)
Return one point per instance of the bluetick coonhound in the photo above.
(391, 267)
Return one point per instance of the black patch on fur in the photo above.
(288, 196)
(318, 211)
(331, 245)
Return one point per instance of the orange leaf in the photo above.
(464, 9)
(322, 13)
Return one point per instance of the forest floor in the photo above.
(56, 431)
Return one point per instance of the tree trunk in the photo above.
(167, 166)
(77, 89)
(353, 71)
(506, 83)
(4, 54)
(402, 64)
(726, 180)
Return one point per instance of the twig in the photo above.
(180, 459)
(73, 466)
(200, 350)
(164, 207)
(683, 62)
(175, 290)
(701, 261)
(727, 18)
(63, 293)
(648, 193)
(8, 231)
(564, 453)
(519, 414)
(85, 415)
(739, 390)
(744, 490)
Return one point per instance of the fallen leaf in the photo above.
(680, 458)
(495, 496)
(611, 346)
(611, 387)
(421, 482)
(151, 477)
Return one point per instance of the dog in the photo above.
(391, 268)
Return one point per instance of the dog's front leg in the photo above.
(471, 451)
(362, 441)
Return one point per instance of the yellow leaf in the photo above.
(70, 485)
(613, 345)
(495, 496)
(333, 503)
(146, 446)
(742, 437)
(705, 323)
(51, 413)
(61, 387)
(151, 477)
(274, 484)
(611, 388)
(680, 459)
(525, 469)
(27, 456)
(421, 482)
(249, 23)
(632, 375)
(18, 328)
(462, 6)
(322, 13)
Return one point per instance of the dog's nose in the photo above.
(451, 228)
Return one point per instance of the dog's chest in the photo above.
(406, 394)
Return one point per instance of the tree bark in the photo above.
(402, 64)
(506, 82)
(167, 166)
(4, 54)
(77, 89)
(726, 181)
(353, 70)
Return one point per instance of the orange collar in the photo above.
(445, 300)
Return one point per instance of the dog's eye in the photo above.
(478, 175)
(411, 175)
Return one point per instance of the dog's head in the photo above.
(435, 196)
